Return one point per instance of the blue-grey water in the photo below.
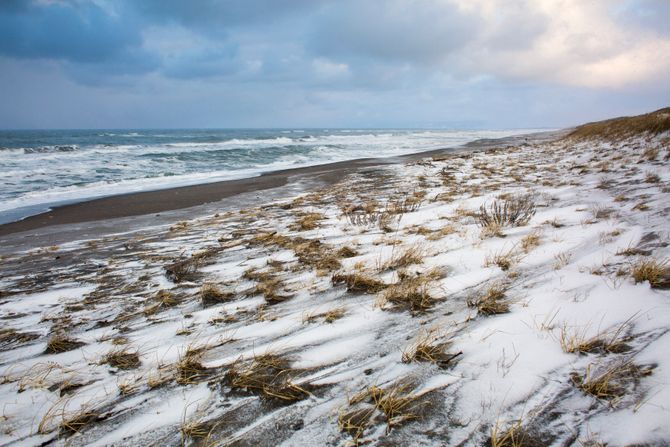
(43, 168)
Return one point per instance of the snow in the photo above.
(576, 281)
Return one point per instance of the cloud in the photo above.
(371, 61)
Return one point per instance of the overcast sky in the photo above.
(339, 63)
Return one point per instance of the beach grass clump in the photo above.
(492, 301)
(656, 272)
(404, 258)
(561, 259)
(502, 259)
(189, 369)
(314, 253)
(269, 376)
(165, 298)
(195, 430)
(60, 342)
(426, 348)
(346, 252)
(599, 211)
(359, 282)
(515, 211)
(652, 177)
(650, 153)
(11, 337)
(122, 358)
(531, 240)
(514, 435)
(609, 342)
(211, 294)
(308, 221)
(396, 404)
(410, 293)
(355, 422)
(183, 270)
(610, 382)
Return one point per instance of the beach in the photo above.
(507, 288)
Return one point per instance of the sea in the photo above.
(40, 169)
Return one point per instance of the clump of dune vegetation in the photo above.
(656, 272)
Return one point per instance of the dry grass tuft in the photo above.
(614, 341)
(515, 435)
(60, 342)
(515, 211)
(652, 270)
(600, 211)
(396, 403)
(10, 337)
(426, 348)
(189, 367)
(346, 252)
(441, 233)
(210, 294)
(610, 383)
(122, 359)
(531, 240)
(561, 260)
(503, 259)
(269, 376)
(355, 422)
(183, 270)
(410, 293)
(651, 177)
(492, 301)
(359, 282)
(408, 256)
(76, 422)
(166, 298)
(308, 221)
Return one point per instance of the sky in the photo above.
(339, 63)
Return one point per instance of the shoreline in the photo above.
(183, 197)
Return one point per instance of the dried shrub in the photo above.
(515, 211)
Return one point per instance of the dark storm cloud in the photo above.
(75, 32)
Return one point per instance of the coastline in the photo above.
(342, 287)
(183, 197)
